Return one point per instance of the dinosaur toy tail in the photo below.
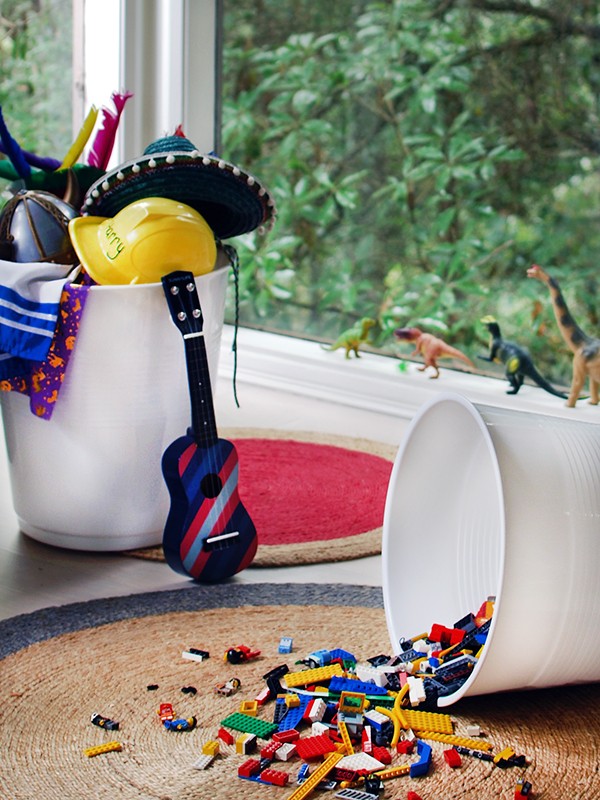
(544, 384)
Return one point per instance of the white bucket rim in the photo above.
(462, 401)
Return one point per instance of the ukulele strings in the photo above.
(200, 374)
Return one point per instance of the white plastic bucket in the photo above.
(488, 501)
(90, 477)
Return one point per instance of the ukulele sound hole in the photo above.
(211, 485)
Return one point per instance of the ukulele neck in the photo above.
(203, 428)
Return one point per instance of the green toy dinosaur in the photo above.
(517, 360)
(352, 338)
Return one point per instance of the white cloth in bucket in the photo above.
(29, 307)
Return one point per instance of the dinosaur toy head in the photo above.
(491, 324)
(407, 334)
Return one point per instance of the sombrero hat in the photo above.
(230, 200)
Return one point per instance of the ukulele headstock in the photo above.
(183, 301)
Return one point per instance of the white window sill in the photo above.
(372, 382)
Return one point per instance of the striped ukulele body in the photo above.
(208, 534)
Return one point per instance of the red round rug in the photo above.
(312, 497)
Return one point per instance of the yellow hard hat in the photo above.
(144, 241)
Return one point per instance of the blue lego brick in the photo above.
(337, 684)
(343, 655)
(294, 715)
(421, 767)
(456, 668)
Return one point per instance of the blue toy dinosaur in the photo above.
(517, 360)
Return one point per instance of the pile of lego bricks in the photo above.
(313, 497)
(234, 699)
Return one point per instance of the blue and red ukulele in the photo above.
(208, 534)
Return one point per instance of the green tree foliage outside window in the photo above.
(36, 74)
(423, 154)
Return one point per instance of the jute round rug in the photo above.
(61, 665)
(313, 497)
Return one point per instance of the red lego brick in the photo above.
(286, 736)
(249, 768)
(452, 757)
(447, 636)
(413, 796)
(382, 754)
(314, 747)
(274, 776)
(225, 736)
(405, 746)
(268, 751)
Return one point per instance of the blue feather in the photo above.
(13, 150)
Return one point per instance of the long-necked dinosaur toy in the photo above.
(517, 360)
(586, 349)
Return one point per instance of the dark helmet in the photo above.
(34, 227)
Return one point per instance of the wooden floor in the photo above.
(34, 575)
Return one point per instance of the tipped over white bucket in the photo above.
(90, 477)
(487, 501)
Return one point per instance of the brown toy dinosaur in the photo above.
(430, 348)
(586, 349)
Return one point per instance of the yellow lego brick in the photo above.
(399, 711)
(292, 700)
(313, 780)
(245, 743)
(211, 748)
(351, 702)
(107, 747)
(249, 707)
(342, 728)
(393, 772)
(463, 741)
(395, 722)
(306, 676)
(503, 755)
(427, 721)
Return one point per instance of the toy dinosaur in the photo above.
(586, 349)
(517, 360)
(352, 338)
(430, 348)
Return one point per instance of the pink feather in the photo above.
(104, 141)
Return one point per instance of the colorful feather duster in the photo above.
(81, 139)
(102, 146)
(13, 151)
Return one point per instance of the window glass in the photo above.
(36, 76)
(423, 156)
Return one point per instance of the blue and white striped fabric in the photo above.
(29, 308)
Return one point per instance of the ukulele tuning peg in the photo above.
(181, 316)
(190, 286)
(196, 313)
(174, 289)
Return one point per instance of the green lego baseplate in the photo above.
(247, 724)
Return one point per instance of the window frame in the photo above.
(168, 54)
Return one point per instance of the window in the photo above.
(423, 156)
(36, 75)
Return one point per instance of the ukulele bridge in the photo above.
(221, 542)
